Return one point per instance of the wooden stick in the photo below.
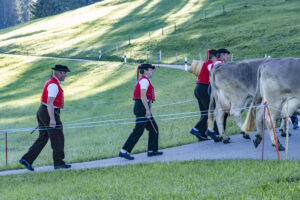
(275, 138)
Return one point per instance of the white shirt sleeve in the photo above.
(217, 62)
(144, 83)
(52, 90)
(209, 67)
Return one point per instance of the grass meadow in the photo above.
(98, 96)
(99, 91)
(239, 179)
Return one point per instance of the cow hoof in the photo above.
(280, 147)
(226, 141)
(283, 133)
(257, 141)
(245, 135)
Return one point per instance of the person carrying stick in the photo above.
(143, 97)
(49, 123)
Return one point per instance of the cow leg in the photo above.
(259, 126)
(293, 104)
(220, 121)
(271, 134)
(238, 119)
(211, 113)
(283, 127)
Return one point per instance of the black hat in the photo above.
(223, 51)
(145, 66)
(61, 68)
(213, 52)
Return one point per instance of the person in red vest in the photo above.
(222, 57)
(143, 96)
(201, 93)
(49, 123)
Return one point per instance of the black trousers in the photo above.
(55, 134)
(202, 94)
(141, 123)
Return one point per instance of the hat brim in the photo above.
(153, 67)
(62, 70)
(223, 52)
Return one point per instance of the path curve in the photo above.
(239, 148)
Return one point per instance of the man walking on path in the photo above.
(143, 96)
(222, 57)
(49, 124)
(203, 97)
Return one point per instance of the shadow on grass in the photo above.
(24, 35)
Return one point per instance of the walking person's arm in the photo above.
(145, 103)
(50, 109)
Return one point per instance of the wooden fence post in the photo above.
(6, 148)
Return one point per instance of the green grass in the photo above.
(100, 88)
(240, 179)
(104, 95)
(248, 32)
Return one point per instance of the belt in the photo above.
(56, 110)
(149, 101)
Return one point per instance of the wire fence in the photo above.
(177, 116)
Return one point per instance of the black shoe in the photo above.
(63, 166)
(26, 164)
(197, 134)
(154, 153)
(213, 136)
(126, 156)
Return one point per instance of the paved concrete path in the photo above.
(239, 148)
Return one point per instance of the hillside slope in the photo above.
(99, 91)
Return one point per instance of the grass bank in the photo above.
(243, 179)
(103, 90)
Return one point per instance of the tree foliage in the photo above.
(13, 12)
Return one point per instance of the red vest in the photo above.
(204, 73)
(59, 100)
(137, 90)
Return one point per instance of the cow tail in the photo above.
(249, 122)
(211, 113)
